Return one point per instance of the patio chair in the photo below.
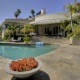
(16, 40)
(32, 34)
(19, 39)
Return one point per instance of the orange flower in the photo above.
(24, 64)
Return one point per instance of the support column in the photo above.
(40, 30)
(3, 31)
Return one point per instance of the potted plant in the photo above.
(23, 68)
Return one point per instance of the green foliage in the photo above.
(78, 4)
(27, 29)
(75, 33)
(69, 35)
(77, 30)
(64, 24)
(26, 38)
(12, 30)
(6, 36)
(8, 33)
(0, 28)
(68, 27)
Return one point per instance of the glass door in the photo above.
(46, 31)
(55, 31)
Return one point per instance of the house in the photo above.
(50, 23)
(47, 24)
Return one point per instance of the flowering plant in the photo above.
(24, 64)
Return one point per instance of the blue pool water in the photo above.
(22, 51)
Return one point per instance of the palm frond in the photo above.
(69, 35)
(68, 27)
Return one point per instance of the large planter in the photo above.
(24, 74)
(74, 41)
(71, 40)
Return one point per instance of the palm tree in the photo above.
(72, 8)
(17, 13)
(66, 26)
(33, 12)
(29, 16)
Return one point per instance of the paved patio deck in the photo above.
(60, 64)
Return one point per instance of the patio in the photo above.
(60, 64)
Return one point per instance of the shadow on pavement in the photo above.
(40, 75)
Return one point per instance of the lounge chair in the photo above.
(16, 40)
(32, 33)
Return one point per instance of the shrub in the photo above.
(26, 38)
(6, 36)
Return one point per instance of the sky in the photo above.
(8, 7)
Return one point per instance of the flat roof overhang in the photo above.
(54, 20)
(49, 21)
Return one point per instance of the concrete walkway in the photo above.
(60, 64)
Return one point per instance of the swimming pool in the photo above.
(21, 51)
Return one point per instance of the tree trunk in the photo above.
(71, 22)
